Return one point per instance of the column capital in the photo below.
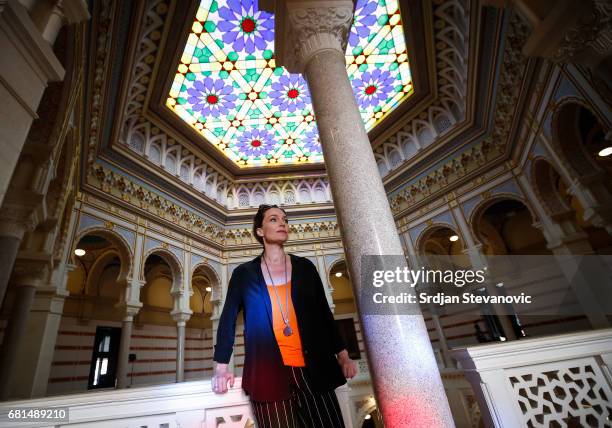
(130, 309)
(181, 317)
(31, 272)
(304, 28)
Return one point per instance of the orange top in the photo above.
(290, 346)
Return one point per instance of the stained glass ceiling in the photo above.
(229, 88)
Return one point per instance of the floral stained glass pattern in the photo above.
(229, 88)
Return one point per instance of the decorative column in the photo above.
(565, 238)
(181, 319)
(478, 261)
(15, 221)
(28, 276)
(311, 39)
(126, 338)
(36, 351)
(28, 65)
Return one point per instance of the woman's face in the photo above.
(274, 228)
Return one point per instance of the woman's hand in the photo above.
(220, 379)
(349, 367)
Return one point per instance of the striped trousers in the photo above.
(305, 408)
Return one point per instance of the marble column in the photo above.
(28, 65)
(181, 319)
(478, 261)
(14, 222)
(311, 38)
(36, 351)
(15, 330)
(27, 277)
(124, 347)
(565, 238)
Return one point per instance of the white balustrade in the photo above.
(562, 380)
(178, 405)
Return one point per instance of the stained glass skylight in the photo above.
(229, 88)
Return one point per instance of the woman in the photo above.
(294, 354)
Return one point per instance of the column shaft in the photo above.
(405, 374)
(124, 352)
(180, 351)
(15, 331)
(36, 352)
(9, 245)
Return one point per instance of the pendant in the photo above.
(287, 331)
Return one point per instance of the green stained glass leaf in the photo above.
(209, 26)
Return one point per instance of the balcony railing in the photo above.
(561, 380)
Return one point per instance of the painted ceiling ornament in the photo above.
(245, 27)
(228, 84)
(372, 88)
(256, 143)
(211, 97)
(290, 93)
(363, 20)
(312, 144)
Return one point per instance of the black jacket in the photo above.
(265, 377)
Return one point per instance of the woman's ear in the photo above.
(259, 232)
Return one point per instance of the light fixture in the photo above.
(338, 274)
(605, 152)
(79, 252)
(499, 284)
(453, 238)
(368, 416)
(209, 289)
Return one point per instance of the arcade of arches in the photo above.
(121, 223)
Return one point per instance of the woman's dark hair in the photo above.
(259, 217)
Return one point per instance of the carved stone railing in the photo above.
(187, 404)
(561, 380)
(177, 405)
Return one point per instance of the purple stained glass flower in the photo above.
(290, 93)
(373, 88)
(363, 21)
(311, 141)
(211, 97)
(245, 27)
(255, 142)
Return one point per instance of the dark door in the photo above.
(103, 370)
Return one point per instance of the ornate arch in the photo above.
(176, 267)
(217, 291)
(121, 245)
(97, 268)
(545, 188)
(335, 263)
(481, 207)
(426, 233)
(567, 139)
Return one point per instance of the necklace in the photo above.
(287, 331)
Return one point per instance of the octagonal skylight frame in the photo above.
(229, 88)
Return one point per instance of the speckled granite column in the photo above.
(407, 383)
(124, 345)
